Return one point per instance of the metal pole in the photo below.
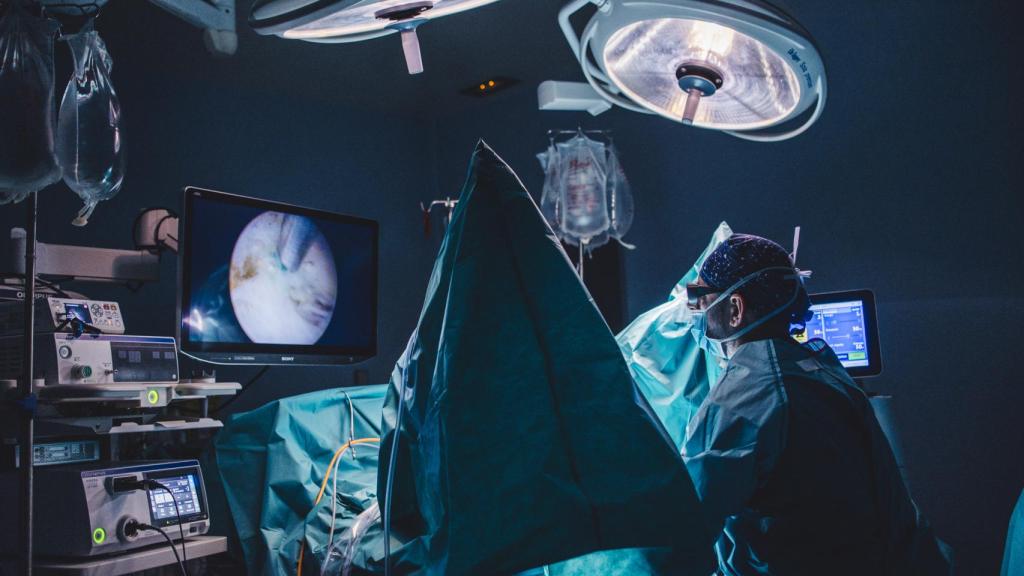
(27, 412)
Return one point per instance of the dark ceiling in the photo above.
(866, 44)
(516, 38)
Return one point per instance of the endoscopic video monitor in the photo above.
(847, 322)
(262, 282)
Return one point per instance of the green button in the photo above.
(857, 355)
(153, 396)
(99, 536)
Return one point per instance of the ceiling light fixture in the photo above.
(739, 66)
(337, 21)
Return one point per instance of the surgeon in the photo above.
(786, 454)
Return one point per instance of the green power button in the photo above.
(153, 396)
(99, 536)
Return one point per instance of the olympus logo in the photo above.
(20, 295)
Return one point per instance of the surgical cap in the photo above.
(741, 255)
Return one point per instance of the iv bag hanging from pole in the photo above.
(89, 136)
(27, 161)
(586, 197)
(583, 187)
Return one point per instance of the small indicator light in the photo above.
(489, 86)
(99, 536)
(153, 396)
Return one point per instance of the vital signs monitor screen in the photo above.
(846, 321)
(841, 325)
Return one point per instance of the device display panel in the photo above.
(847, 322)
(186, 489)
(79, 311)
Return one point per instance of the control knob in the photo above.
(81, 372)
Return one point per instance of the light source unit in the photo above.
(336, 21)
(739, 66)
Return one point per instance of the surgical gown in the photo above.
(793, 468)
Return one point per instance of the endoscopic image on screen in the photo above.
(266, 277)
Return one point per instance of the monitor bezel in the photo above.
(266, 354)
(867, 297)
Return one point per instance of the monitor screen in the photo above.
(183, 490)
(269, 283)
(79, 311)
(846, 322)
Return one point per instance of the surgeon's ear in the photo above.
(737, 307)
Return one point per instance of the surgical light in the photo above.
(337, 21)
(740, 66)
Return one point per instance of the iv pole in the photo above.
(26, 396)
(448, 204)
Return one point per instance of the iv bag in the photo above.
(549, 199)
(620, 198)
(583, 183)
(89, 143)
(587, 199)
(27, 161)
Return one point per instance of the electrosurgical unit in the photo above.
(97, 509)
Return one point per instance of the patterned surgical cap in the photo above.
(741, 255)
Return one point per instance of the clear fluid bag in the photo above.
(587, 199)
(27, 161)
(620, 198)
(89, 137)
(550, 196)
(583, 187)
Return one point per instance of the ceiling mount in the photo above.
(740, 66)
(697, 81)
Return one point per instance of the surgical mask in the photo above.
(716, 346)
(699, 328)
